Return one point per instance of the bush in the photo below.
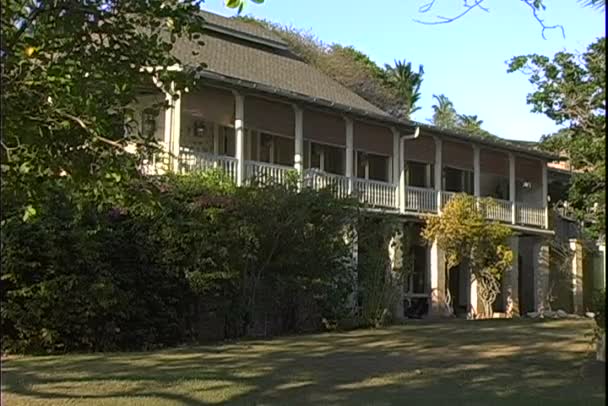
(204, 259)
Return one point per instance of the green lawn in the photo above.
(496, 362)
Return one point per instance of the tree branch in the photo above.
(545, 27)
(445, 20)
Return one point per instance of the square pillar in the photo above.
(395, 252)
(239, 132)
(402, 187)
(352, 259)
(542, 296)
(298, 157)
(510, 286)
(350, 148)
(545, 194)
(473, 302)
(576, 247)
(438, 170)
(512, 188)
(396, 166)
(476, 171)
(438, 306)
(176, 129)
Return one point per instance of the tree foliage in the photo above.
(445, 116)
(570, 89)
(70, 70)
(466, 237)
(393, 89)
(141, 276)
(407, 82)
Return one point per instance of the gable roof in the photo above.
(244, 57)
(252, 57)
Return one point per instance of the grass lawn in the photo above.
(496, 362)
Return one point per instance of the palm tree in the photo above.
(469, 122)
(444, 113)
(406, 82)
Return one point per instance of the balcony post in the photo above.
(476, 174)
(349, 153)
(438, 170)
(239, 133)
(298, 158)
(512, 188)
(545, 206)
(175, 127)
(402, 186)
(476, 171)
(395, 175)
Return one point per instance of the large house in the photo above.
(262, 111)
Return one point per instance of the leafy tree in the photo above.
(466, 237)
(70, 72)
(444, 113)
(407, 83)
(469, 122)
(571, 91)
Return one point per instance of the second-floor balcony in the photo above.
(249, 137)
(379, 195)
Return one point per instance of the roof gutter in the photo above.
(371, 116)
(412, 136)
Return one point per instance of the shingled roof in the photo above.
(250, 56)
(242, 57)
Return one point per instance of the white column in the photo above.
(402, 187)
(512, 188)
(167, 148)
(473, 300)
(395, 156)
(239, 132)
(510, 288)
(602, 252)
(395, 252)
(438, 170)
(438, 306)
(176, 128)
(545, 193)
(541, 277)
(298, 158)
(577, 275)
(476, 171)
(350, 147)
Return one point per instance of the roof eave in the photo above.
(371, 116)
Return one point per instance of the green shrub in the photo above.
(149, 273)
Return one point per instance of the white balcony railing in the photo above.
(319, 180)
(446, 197)
(529, 215)
(373, 193)
(420, 199)
(499, 210)
(376, 193)
(193, 159)
(265, 172)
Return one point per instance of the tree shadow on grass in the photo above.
(456, 362)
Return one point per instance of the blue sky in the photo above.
(465, 60)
